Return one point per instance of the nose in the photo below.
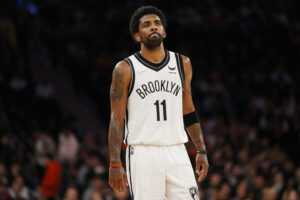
(153, 27)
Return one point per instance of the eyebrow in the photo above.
(148, 21)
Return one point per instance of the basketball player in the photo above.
(151, 100)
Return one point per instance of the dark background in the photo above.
(56, 61)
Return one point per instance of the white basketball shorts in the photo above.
(160, 173)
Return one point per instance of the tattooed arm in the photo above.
(194, 130)
(118, 98)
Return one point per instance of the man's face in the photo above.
(151, 31)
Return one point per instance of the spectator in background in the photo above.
(297, 179)
(96, 190)
(6, 149)
(18, 190)
(96, 196)
(71, 193)
(122, 195)
(43, 145)
(3, 174)
(93, 165)
(291, 195)
(3, 190)
(51, 181)
(269, 194)
(15, 171)
(278, 182)
(68, 147)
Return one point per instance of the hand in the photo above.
(117, 179)
(201, 163)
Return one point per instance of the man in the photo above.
(51, 181)
(151, 100)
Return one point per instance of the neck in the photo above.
(155, 55)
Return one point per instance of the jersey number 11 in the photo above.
(163, 103)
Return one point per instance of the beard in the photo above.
(153, 42)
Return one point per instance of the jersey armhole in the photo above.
(132, 75)
(180, 67)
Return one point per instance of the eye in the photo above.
(146, 24)
(158, 22)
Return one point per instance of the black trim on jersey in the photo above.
(132, 76)
(129, 170)
(151, 65)
(180, 67)
(126, 125)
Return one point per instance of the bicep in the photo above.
(119, 89)
(187, 100)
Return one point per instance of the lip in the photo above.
(154, 33)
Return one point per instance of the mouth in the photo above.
(154, 33)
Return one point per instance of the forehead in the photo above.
(149, 17)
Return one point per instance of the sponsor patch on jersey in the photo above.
(194, 193)
(131, 150)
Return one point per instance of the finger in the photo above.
(113, 185)
(120, 185)
(117, 185)
(200, 170)
(125, 180)
(110, 183)
(203, 173)
(122, 188)
(197, 167)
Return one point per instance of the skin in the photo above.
(119, 89)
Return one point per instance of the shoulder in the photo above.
(122, 67)
(122, 72)
(186, 60)
(186, 65)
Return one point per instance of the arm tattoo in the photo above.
(117, 86)
(196, 135)
(114, 140)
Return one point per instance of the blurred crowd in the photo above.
(245, 56)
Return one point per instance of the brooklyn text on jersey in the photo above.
(158, 86)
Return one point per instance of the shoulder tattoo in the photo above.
(117, 87)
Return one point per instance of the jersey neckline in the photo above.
(151, 65)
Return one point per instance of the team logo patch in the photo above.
(171, 68)
(131, 150)
(194, 193)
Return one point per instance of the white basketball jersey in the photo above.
(154, 108)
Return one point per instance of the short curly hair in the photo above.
(142, 11)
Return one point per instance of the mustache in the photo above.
(154, 33)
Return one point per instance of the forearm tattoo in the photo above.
(115, 139)
(117, 87)
(195, 133)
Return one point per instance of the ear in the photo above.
(137, 37)
(164, 34)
